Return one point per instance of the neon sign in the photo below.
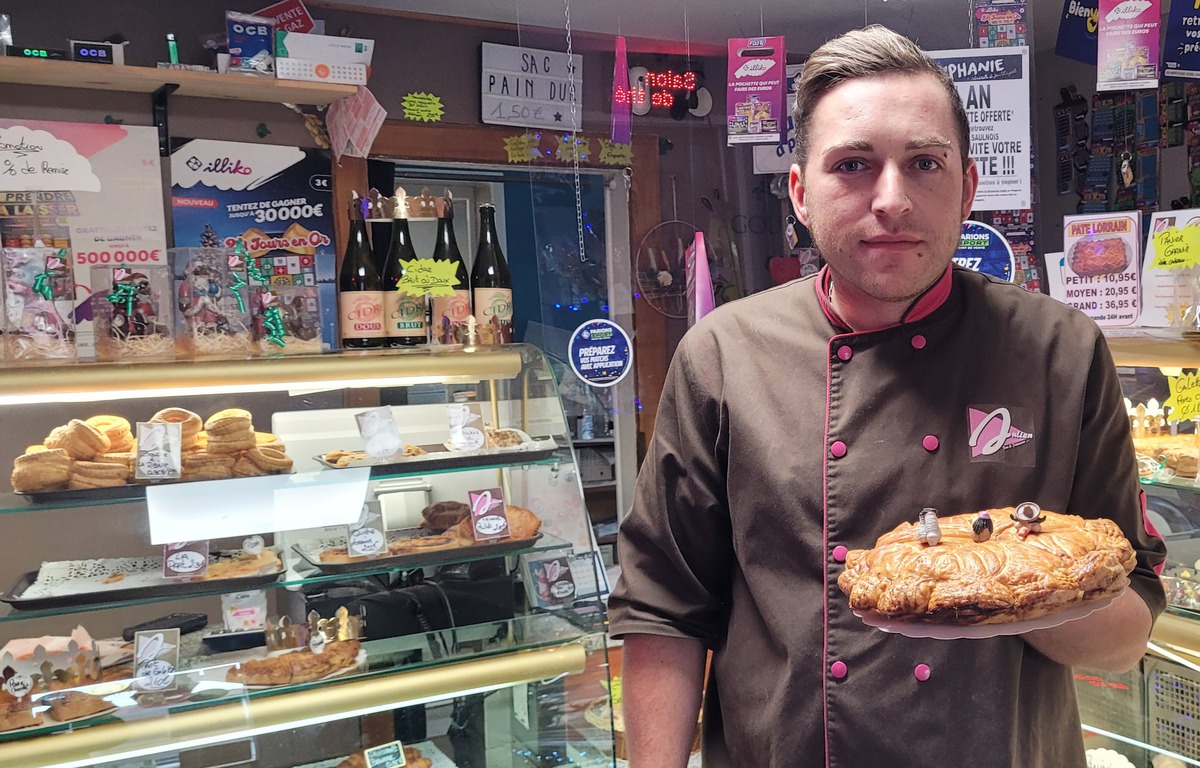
(657, 89)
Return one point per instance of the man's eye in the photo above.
(850, 165)
(927, 164)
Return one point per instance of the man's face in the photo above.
(883, 190)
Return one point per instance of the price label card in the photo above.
(367, 536)
(426, 276)
(155, 659)
(253, 545)
(381, 438)
(1184, 402)
(467, 432)
(488, 514)
(18, 685)
(187, 559)
(386, 756)
(1099, 272)
(158, 451)
(554, 581)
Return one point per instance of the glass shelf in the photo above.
(1175, 483)
(13, 503)
(305, 574)
(203, 684)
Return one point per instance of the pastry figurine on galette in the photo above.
(995, 566)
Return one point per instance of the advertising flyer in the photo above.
(982, 249)
(94, 189)
(994, 86)
(1099, 271)
(277, 202)
(756, 94)
(999, 25)
(1166, 293)
(1181, 52)
(1077, 30)
(1127, 45)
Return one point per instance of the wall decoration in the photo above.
(615, 153)
(522, 148)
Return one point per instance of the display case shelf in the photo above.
(537, 648)
(1177, 483)
(204, 85)
(334, 370)
(1154, 349)
(302, 574)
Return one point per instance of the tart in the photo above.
(300, 666)
(1009, 577)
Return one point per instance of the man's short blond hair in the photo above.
(867, 52)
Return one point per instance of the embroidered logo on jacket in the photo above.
(994, 435)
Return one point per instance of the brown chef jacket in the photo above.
(756, 483)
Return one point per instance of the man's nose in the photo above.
(891, 193)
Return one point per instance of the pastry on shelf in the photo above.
(1024, 570)
(442, 515)
(17, 713)
(116, 429)
(79, 439)
(412, 759)
(294, 667)
(244, 564)
(42, 471)
(504, 438)
(522, 524)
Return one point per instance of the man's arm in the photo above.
(1113, 638)
(661, 681)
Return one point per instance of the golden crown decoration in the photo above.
(285, 633)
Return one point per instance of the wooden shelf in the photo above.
(204, 85)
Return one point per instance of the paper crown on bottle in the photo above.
(283, 633)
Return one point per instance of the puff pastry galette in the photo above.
(1006, 578)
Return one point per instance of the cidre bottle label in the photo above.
(405, 314)
(494, 314)
(362, 314)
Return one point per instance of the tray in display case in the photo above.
(312, 551)
(80, 583)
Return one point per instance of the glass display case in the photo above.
(366, 554)
(1148, 717)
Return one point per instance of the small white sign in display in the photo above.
(530, 87)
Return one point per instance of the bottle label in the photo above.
(362, 314)
(449, 313)
(405, 315)
(494, 313)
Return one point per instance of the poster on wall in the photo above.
(530, 87)
(779, 158)
(1127, 45)
(1099, 271)
(999, 24)
(94, 189)
(994, 87)
(277, 202)
(1077, 30)
(755, 94)
(1166, 293)
(1181, 52)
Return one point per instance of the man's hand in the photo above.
(1113, 638)
(661, 683)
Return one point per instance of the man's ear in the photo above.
(796, 193)
(970, 184)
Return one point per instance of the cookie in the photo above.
(230, 421)
(48, 470)
(116, 429)
(189, 423)
(270, 460)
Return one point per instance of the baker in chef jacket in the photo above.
(813, 417)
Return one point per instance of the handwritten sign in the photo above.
(489, 514)
(422, 107)
(38, 160)
(185, 560)
(253, 545)
(156, 657)
(389, 755)
(466, 427)
(1177, 248)
(158, 451)
(18, 686)
(381, 438)
(1184, 401)
(366, 537)
(426, 276)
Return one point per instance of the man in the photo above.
(815, 416)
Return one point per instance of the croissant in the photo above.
(1004, 579)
